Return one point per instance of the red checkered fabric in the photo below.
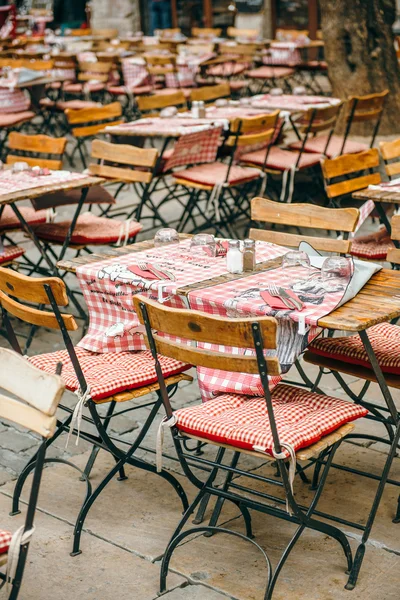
(78, 88)
(227, 69)
(10, 119)
(10, 253)
(282, 53)
(109, 373)
(270, 73)
(302, 418)
(9, 219)
(385, 341)
(318, 144)
(292, 103)
(198, 147)
(365, 210)
(371, 250)
(135, 73)
(89, 229)
(26, 180)
(174, 126)
(13, 101)
(67, 74)
(281, 159)
(5, 540)
(216, 173)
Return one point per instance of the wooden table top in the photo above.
(377, 302)
(36, 192)
(386, 195)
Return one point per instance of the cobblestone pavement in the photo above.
(129, 526)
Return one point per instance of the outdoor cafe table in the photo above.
(291, 103)
(377, 302)
(389, 194)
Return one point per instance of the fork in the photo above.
(273, 290)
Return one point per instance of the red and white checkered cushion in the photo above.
(270, 73)
(5, 540)
(10, 119)
(10, 253)
(318, 144)
(302, 418)
(64, 104)
(214, 173)
(281, 159)
(9, 220)
(372, 250)
(385, 341)
(78, 88)
(111, 372)
(89, 229)
(226, 69)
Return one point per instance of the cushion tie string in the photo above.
(50, 215)
(214, 200)
(19, 538)
(288, 176)
(292, 464)
(77, 414)
(124, 232)
(165, 422)
(263, 183)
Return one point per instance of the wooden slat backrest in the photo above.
(93, 120)
(144, 48)
(210, 92)
(42, 144)
(350, 164)
(248, 50)
(122, 156)
(367, 108)
(206, 32)
(201, 327)
(49, 163)
(93, 68)
(106, 33)
(391, 151)
(37, 65)
(303, 215)
(158, 102)
(260, 139)
(291, 34)
(243, 33)
(15, 286)
(395, 223)
(319, 119)
(198, 49)
(254, 124)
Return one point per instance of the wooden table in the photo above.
(378, 197)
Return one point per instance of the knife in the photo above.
(298, 304)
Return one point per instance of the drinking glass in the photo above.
(337, 267)
(166, 236)
(296, 258)
(203, 244)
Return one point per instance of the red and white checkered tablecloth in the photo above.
(291, 102)
(24, 180)
(13, 101)
(282, 53)
(164, 127)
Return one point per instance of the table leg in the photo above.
(383, 217)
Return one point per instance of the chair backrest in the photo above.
(210, 93)
(36, 394)
(99, 70)
(393, 254)
(316, 120)
(390, 152)
(160, 65)
(346, 174)
(240, 50)
(36, 150)
(206, 32)
(118, 161)
(151, 105)
(37, 64)
(17, 289)
(106, 33)
(343, 220)
(361, 109)
(197, 49)
(87, 122)
(234, 32)
(204, 328)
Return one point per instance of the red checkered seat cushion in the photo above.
(72, 104)
(9, 220)
(385, 341)
(281, 159)
(10, 253)
(109, 373)
(214, 173)
(10, 119)
(78, 88)
(226, 69)
(318, 144)
(270, 72)
(5, 540)
(302, 418)
(89, 229)
(372, 250)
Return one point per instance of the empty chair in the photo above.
(208, 94)
(150, 106)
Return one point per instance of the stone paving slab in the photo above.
(194, 592)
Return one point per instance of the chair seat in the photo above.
(371, 250)
(302, 418)
(318, 145)
(10, 119)
(10, 253)
(64, 104)
(109, 373)
(10, 221)
(385, 341)
(281, 159)
(238, 84)
(78, 88)
(89, 229)
(211, 174)
(186, 91)
(5, 540)
(266, 72)
(226, 69)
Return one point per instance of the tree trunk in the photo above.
(359, 50)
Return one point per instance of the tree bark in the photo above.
(359, 50)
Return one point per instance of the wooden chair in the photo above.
(108, 34)
(92, 79)
(150, 106)
(234, 32)
(132, 378)
(232, 63)
(359, 109)
(310, 216)
(86, 123)
(291, 34)
(32, 404)
(36, 150)
(206, 32)
(208, 94)
(390, 152)
(159, 66)
(260, 439)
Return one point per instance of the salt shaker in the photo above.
(249, 255)
(234, 257)
(195, 109)
(202, 110)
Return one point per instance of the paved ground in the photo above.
(129, 526)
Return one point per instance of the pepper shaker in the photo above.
(249, 255)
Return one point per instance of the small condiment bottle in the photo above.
(249, 255)
(195, 109)
(234, 257)
(202, 110)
